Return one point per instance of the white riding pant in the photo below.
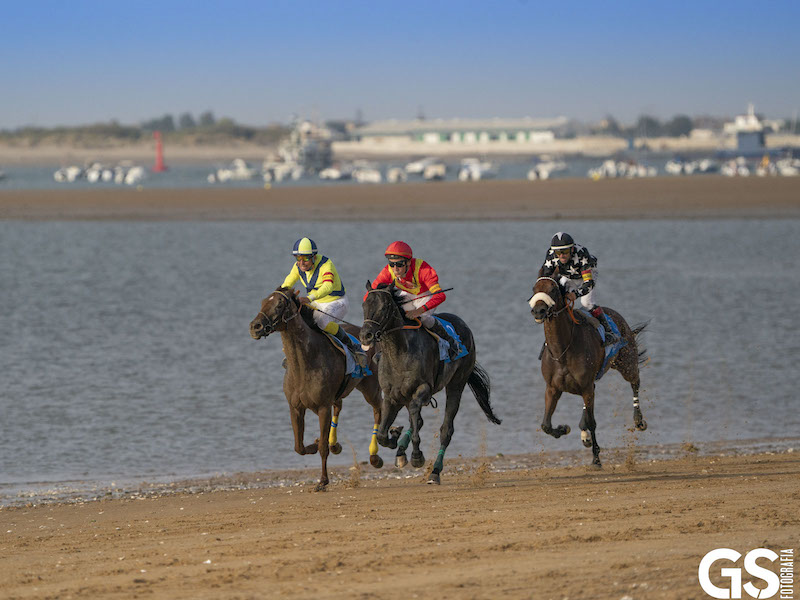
(589, 301)
(336, 310)
(426, 317)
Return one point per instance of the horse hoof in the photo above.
(641, 425)
(336, 448)
(376, 461)
(400, 461)
(417, 461)
(567, 429)
(434, 479)
(596, 466)
(586, 438)
(321, 487)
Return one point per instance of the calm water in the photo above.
(125, 350)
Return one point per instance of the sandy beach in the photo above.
(660, 197)
(632, 530)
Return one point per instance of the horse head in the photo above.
(277, 309)
(547, 299)
(381, 310)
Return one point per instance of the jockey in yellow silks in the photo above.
(325, 291)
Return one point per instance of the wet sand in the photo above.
(661, 197)
(632, 529)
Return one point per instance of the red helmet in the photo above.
(399, 248)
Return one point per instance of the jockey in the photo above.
(414, 278)
(576, 270)
(325, 292)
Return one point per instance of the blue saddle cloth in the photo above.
(444, 345)
(352, 368)
(611, 351)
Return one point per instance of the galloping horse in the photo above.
(574, 357)
(315, 376)
(410, 373)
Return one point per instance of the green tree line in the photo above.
(186, 129)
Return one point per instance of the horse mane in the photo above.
(305, 311)
(399, 300)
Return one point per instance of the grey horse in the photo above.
(410, 373)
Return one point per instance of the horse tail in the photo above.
(642, 358)
(479, 384)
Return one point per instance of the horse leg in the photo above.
(400, 459)
(375, 460)
(421, 396)
(446, 431)
(588, 422)
(322, 443)
(388, 414)
(551, 396)
(638, 419)
(298, 416)
(333, 444)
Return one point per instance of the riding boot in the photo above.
(611, 337)
(358, 354)
(439, 330)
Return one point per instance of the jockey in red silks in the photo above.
(418, 282)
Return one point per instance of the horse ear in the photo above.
(369, 285)
(296, 293)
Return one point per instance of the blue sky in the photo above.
(76, 62)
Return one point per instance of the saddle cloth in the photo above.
(444, 345)
(352, 368)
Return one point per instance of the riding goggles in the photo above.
(303, 257)
(399, 263)
(562, 252)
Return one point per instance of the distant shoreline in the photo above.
(710, 196)
(144, 153)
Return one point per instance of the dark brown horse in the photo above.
(574, 356)
(315, 375)
(410, 373)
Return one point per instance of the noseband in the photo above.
(272, 324)
(550, 312)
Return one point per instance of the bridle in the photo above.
(272, 324)
(380, 331)
(551, 313)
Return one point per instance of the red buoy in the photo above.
(159, 166)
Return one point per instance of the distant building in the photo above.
(461, 131)
(750, 123)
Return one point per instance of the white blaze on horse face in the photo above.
(543, 297)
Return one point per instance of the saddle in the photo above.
(352, 368)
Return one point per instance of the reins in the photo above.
(269, 321)
(381, 326)
(551, 314)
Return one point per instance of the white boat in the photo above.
(337, 172)
(628, 169)
(473, 169)
(545, 168)
(68, 174)
(435, 171)
(367, 175)
(238, 170)
(417, 167)
(396, 175)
